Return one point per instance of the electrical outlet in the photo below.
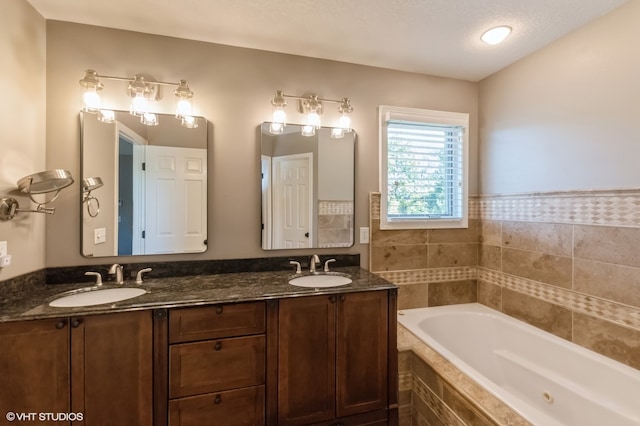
(99, 235)
(5, 260)
(3, 248)
(364, 235)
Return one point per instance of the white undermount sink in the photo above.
(94, 296)
(321, 280)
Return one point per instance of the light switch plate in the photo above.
(99, 235)
(364, 235)
(3, 248)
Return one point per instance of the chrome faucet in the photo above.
(117, 271)
(313, 262)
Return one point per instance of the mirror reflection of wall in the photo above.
(154, 197)
(307, 189)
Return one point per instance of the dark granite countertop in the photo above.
(32, 303)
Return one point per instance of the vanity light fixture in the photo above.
(142, 92)
(91, 88)
(37, 183)
(496, 35)
(311, 107)
(279, 115)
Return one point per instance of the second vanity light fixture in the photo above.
(141, 92)
(311, 107)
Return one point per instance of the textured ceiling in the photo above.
(437, 37)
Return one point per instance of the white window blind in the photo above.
(423, 168)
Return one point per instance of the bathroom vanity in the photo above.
(231, 349)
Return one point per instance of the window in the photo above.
(423, 168)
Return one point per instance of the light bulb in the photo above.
(139, 105)
(313, 119)
(279, 116)
(183, 108)
(184, 99)
(149, 119)
(91, 85)
(276, 128)
(345, 122)
(308, 130)
(107, 116)
(91, 101)
(496, 35)
(337, 133)
(189, 121)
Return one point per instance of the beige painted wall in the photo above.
(233, 88)
(566, 117)
(22, 129)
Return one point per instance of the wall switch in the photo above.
(364, 235)
(3, 248)
(99, 235)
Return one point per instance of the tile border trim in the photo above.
(608, 208)
(430, 275)
(617, 313)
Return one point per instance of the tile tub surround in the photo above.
(567, 263)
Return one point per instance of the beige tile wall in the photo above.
(568, 263)
(432, 267)
(335, 223)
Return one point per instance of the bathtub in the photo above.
(547, 380)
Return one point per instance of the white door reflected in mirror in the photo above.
(307, 188)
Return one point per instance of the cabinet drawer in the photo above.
(214, 365)
(213, 322)
(230, 408)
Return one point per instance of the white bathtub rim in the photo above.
(471, 373)
(529, 413)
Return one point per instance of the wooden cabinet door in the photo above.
(306, 360)
(34, 367)
(112, 365)
(361, 359)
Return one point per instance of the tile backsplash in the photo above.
(568, 263)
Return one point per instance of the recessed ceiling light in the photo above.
(496, 35)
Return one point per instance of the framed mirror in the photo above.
(144, 188)
(308, 188)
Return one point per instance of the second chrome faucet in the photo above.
(116, 270)
(313, 261)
